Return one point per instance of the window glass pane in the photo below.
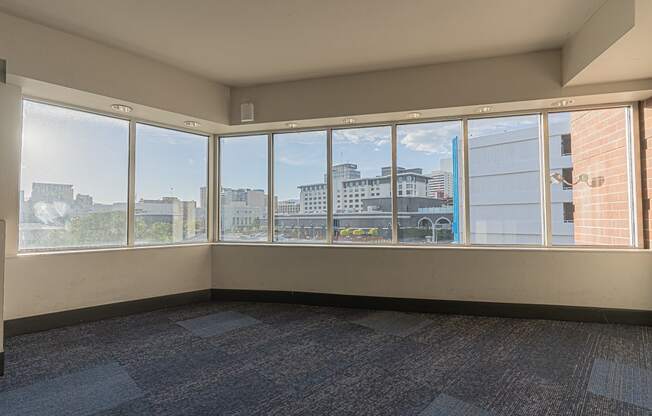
(504, 178)
(243, 192)
(74, 179)
(427, 180)
(171, 186)
(300, 195)
(589, 189)
(362, 202)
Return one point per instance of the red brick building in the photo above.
(599, 149)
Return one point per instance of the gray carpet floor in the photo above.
(239, 358)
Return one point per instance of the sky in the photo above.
(91, 152)
(493, 125)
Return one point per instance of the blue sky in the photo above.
(91, 152)
(170, 163)
(243, 162)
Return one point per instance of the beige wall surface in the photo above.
(2, 284)
(36, 52)
(508, 79)
(476, 82)
(603, 29)
(609, 279)
(45, 283)
(10, 132)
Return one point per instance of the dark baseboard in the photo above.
(504, 310)
(95, 313)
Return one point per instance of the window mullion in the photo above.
(270, 188)
(131, 197)
(394, 187)
(210, 197)
(329, 186)
(544, 163)
(465, 216)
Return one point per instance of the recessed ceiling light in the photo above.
(292, 125)
(349, 120)
(122, 108)
(563, 103)
(414, 114)
(484, 109)
(191, 123)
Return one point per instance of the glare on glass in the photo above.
(171, 186)
(300, 194)
(428, 177)
(243, 188)
(504, 180)
(74, 179)
(589, 181)
(361, 185)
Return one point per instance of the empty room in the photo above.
(303, 207)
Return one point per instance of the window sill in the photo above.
(476, 247)
(48, 252)
(339, 246)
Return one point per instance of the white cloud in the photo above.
(429, 139)
(377, 136)
(292, 161)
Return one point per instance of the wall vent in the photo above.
(247, 112)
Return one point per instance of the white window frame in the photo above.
(633, 160)
(131, 173)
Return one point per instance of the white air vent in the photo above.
(247, 112)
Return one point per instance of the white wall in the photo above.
(607, 279)
(436, 90)
(44, 283)
(36, 52)
(39, 284)
(2, 284)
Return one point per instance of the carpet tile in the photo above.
(82, 393)
(255, 359)
(217, 323)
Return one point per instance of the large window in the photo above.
(73, 179)
(76, 171)
(243, 188)
(171, 186)
(427, 182)
(362, 200)
(504, 180)
(589, 180)
(300, 193)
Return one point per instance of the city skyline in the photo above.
(54, 132)
(94, 150)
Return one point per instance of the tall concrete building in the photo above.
(504, 183)
(287, 207)
(181, 215)
(52, 192)
(243, 208)
(440, 184)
